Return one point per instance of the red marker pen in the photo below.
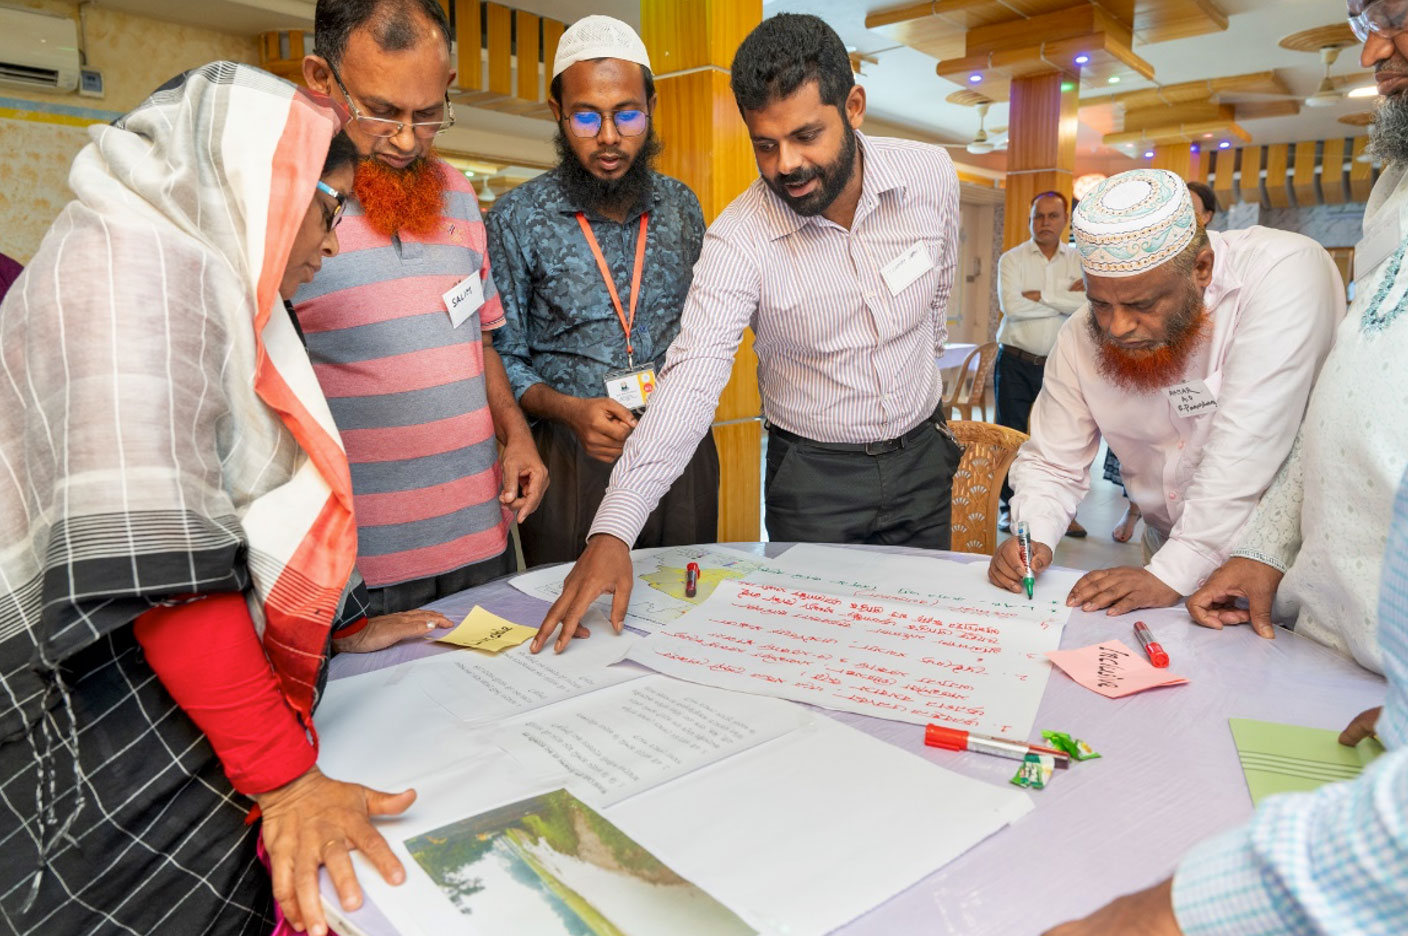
(1150, 645)
(691, 579)
(955, 739)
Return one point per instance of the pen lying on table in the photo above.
(954, 739)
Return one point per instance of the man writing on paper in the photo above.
(1312, 553)
(1194, 360)
(576, 331)
(1327, 862)
(397, 324)
(1039, 286)
(841, 258)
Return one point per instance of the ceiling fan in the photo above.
(982, 144)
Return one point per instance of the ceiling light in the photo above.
(1366, 91)
(1195, 148)
(469, 173)
(1082, 59)
(1207, 136)
(975, 78)
(1224, 145)
(1148, 154)
(1114, 79)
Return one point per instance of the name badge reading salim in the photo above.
(631, 388)
(902, 271)
(463, 299)
(1191, 398)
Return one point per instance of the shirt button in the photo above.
(1181, 443)
(1173, 495)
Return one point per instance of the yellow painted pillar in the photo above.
(691, 45)
(1175, 157)
(1041, 148)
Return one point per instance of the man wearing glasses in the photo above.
(398, 323)
(593, 262)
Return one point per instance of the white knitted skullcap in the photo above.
(1133, 222)
(598, 37)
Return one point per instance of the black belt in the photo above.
(868, 448)
(1021, 355)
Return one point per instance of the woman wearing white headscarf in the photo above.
(178, 539)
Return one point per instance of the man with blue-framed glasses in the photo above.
(593, 262)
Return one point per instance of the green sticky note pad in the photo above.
(1280, 758)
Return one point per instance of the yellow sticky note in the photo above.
(482, 630)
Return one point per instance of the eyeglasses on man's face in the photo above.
(382, 128)
(1380, 17)
(631, 122)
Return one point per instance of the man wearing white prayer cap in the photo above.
(593, 261)
(1193, 358)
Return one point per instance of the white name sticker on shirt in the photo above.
(1379, 241)
(900, 272)
(463, 299)
(1191, 398)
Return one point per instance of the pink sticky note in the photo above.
(1112, 669)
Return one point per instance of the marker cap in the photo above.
(950, 739)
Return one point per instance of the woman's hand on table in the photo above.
(1215, 605)
(1146, 913)
(1005, 570)
(316, 821)
(389, 629)
(1122, 589)
(605, 566)
(1363, 726)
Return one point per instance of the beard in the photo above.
(1153, 369)
(595, 194)
(1389, 133)
(401, 201)
(834, 179)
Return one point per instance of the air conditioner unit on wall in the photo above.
(38, 50)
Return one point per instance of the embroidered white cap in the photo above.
(598, 37)
(1133, 222)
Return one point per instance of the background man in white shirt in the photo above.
(1039, 286)
(1193, 359)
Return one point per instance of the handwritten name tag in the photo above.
(902, 271)
(1112, 669)
(463, 299)
(1191, 398)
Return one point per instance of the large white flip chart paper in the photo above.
(967, 655)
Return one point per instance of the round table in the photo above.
(1169, 776)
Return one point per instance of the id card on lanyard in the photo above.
(633, 386)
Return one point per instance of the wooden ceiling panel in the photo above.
(1162, 20)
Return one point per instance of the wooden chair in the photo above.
(965, 395)
(988, 451)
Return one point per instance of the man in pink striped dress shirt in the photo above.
(841, 259)
(398, 324)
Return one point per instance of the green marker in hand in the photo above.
(1024, 546)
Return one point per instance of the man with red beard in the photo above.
(1193, 359)
(398, 325)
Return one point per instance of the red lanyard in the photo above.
(626, 323)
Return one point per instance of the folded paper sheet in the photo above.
(484, 630)
(1112, 669)
(1280, 758)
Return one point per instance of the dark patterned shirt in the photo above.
(561, 327)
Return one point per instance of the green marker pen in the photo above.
(1024, 546)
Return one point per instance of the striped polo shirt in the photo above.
(407, 390)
